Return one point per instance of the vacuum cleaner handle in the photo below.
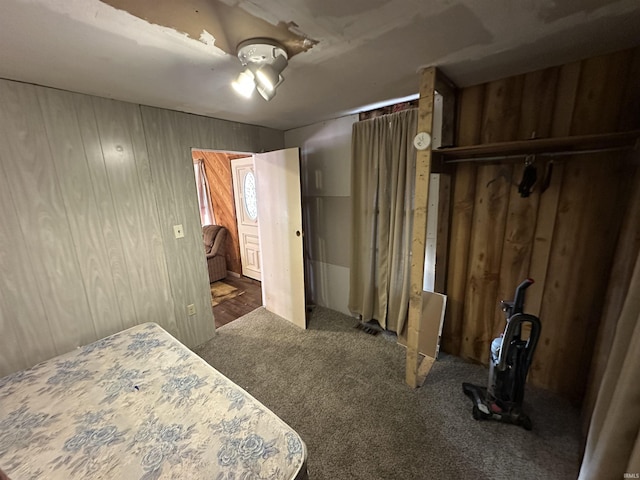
(518, 300)
(513, 329)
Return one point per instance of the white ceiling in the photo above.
(367, 51)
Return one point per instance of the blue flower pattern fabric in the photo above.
(139, 405)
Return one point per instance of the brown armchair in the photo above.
(214, 237)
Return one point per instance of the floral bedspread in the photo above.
(139, 405)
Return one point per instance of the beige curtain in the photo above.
(204, 194)
(613, 442)
(382, 185)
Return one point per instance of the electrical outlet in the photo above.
(178, 231)
(191, 309)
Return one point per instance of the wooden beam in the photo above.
(423, 174)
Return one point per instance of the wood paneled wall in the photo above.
(218, 169)
(90, 189)
(564, 238)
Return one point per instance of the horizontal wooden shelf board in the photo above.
(559, 146)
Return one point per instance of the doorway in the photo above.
(235, 295)
(246, 203)
(279, 215)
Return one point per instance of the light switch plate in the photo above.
(178, 230)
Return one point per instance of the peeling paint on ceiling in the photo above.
(215, 22)
(344, 54)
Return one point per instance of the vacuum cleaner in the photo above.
(509, 363)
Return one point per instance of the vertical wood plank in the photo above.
(22, 314)
(566, 91)
(442, 235)
(117, 264)
(581, 257)
(129, 176)
(543, 239)
(629, 118)
(470, 103)
(448, 90)
(84, 218)
(421, 197)
(169, 140)
(538, 99)
(501, 111)
(488, 226)
(599, 97)
(517, 244)
(34, 187)
(500, 120)
(463, 204)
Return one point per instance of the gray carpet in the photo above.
(343, 391)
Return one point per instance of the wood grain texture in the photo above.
(127, 163)
(545, 223)
(502, 100)
(629, 118)
(481, 313)
(501, 111)
(83, 206)
(22, 311)
(518, 241)
(469, 121)
(565, 99)
(37, 197)
(538, 100)
(599, 96)
(418, 240)
(218, 170)
(69, 158)
(564, 238)
(169, 140)
(106, 217)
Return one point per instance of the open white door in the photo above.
(280, 214)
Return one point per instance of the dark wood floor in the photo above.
(234, 308)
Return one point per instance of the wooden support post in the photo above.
(423, 174)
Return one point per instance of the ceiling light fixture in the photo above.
(264, 60)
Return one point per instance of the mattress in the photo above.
(139, 405)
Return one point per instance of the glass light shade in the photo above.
(245, 83)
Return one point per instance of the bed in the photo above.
(139, 405)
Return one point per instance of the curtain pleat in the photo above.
(382, 182)
(204, 194)
(613, 441)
